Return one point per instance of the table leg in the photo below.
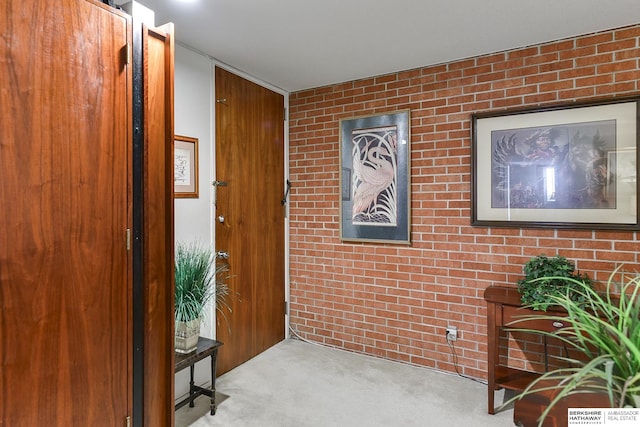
(214, 357)
(192, 391)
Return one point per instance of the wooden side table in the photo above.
(503, 306)
(206, 348)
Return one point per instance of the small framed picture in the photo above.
(185, 167)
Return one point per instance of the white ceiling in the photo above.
(301, 44)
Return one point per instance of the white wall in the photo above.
(193, 109)
(193, 117)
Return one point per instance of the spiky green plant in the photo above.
(198, 279)
(545, 277)
(606, 332)
(223, 292)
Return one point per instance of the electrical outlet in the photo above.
(452, 333)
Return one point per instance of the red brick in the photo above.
(617, 45)
(578, 52)
(474, 71)
(491, 77)
(594, 80)
(523, 53)
(490, 59)
(577, 72)
(627, 54)
(556, 86)
(618, 66)
(541, 78)
(583, 93)
(523, 71)
(550, 56)
(557, 46)
(556, 66)
(629, 32)
(594, 39)
(621, 88)
(458, 65)
(605, 58)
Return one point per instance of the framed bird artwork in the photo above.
(375, 170)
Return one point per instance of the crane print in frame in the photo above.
(375, 174)
(374, 166)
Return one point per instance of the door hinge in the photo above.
(128, 239)
(126, 54)
(286, 307)
(285, 115)
(128, 421)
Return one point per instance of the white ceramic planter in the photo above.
(186, 339)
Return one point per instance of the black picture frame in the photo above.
(375, 157)
(571, 166)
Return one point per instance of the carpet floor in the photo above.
(299, 384)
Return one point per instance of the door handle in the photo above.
(222, 255)
(286, 194)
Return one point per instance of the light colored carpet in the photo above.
(298, 384)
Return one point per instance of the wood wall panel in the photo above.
(64, 267)
(158, 231)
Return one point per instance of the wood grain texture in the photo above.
(158, 53)
(250, 158)
(64, 269)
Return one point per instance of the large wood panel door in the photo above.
(249, 215)
(65, 325)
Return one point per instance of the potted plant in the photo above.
(606, 332)
(545, 278)
(198, 280)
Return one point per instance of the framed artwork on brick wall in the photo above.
(375, 170)
(571, 166)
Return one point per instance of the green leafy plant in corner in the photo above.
(198, 280)
(544, 277)
(606, 332)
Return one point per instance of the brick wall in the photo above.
(394, 301)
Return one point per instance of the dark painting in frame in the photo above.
(571, 166)
(375, 156)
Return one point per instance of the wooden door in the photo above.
(64, 193)
(250, 161)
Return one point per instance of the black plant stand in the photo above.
(206, 348)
